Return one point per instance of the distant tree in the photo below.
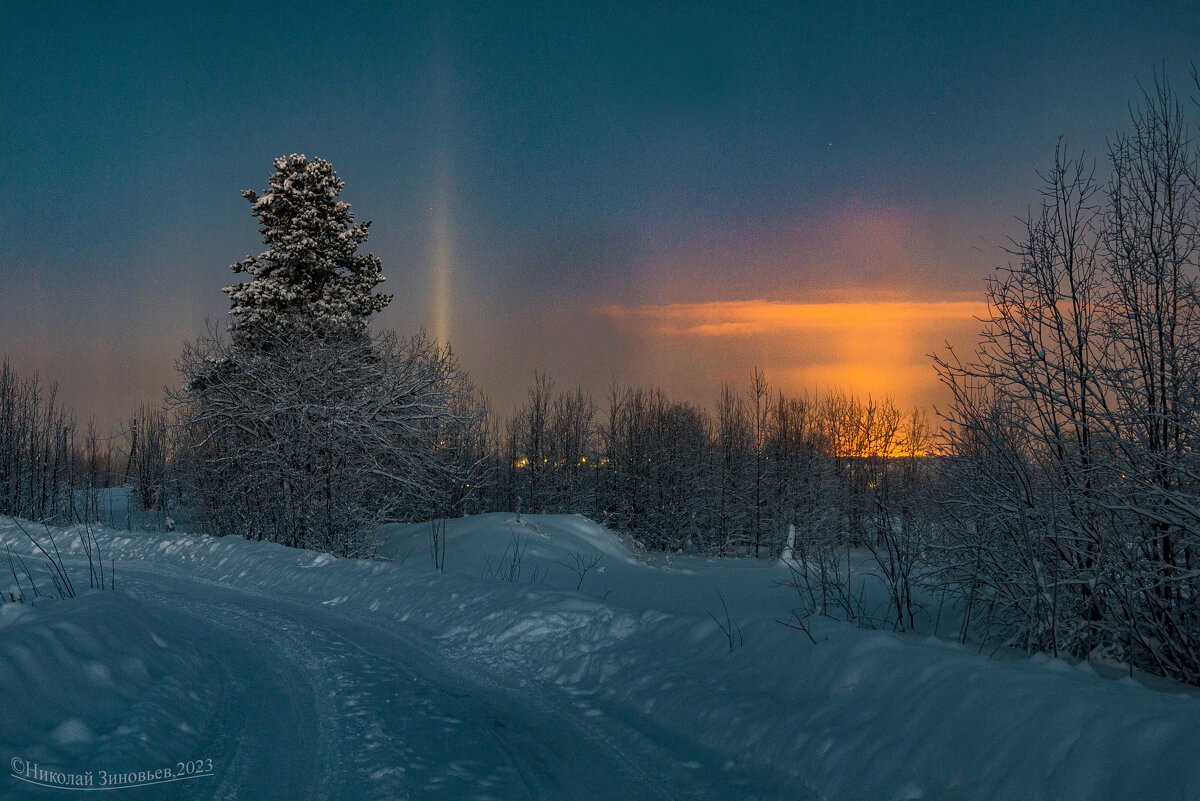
(762, 410)
(572, 444)
(534, 442)
(735, 442)
(147, 468)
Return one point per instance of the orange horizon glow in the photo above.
(877, 347)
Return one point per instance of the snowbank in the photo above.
(858, 715)
(81, 677)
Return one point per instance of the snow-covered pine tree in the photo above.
(303, 427)
(311, 271)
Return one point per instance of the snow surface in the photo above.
(305, 676)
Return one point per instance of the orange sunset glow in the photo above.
(878, 348)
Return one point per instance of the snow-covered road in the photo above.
(313, 701)
(302, 676)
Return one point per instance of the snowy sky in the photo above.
(667, 195)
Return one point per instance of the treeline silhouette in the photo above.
(728, 481)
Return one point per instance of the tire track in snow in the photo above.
(550, 751)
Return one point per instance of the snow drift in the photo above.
(860, 714)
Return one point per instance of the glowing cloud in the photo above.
(878, 347)
(748, 317)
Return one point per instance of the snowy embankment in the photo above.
(69, 667)
(857, 715)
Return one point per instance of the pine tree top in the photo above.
(311, 271)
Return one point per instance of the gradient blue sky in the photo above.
(583, 167)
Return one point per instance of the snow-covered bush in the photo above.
(313, 440)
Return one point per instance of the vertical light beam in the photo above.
(443, 190)
(442, 256)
